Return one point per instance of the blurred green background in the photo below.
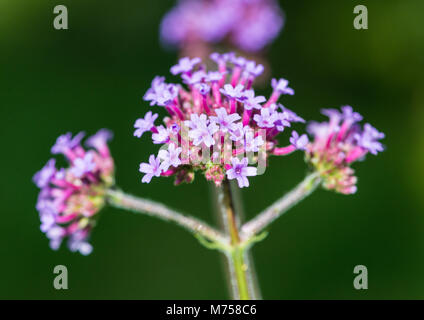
(95, 74)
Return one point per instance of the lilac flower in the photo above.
(162, 136)
(167, 95)
(247, 25)
(48, 221)
(203, 88)
(300, 142)
(283, 120)
(333, 114)
(215, 107)
(184, 65)
(145, 124)
(151, 169)
(44, 202)
(337, 144)
(194, 78)
(233, 92)
(238, 61)
(252, 143)
(219, 58)
(158, 85)
(66, 142)
(258, 29)
(250, 101)
(214, 76)
(267, 118)
(253, 69)
(237, 132)
(292, 116)
(81, 246)
(197, 121)
(56, 234)
(170, 157)
(281, 86)
(42, 178)
(70, 197)
(100, 139)
(369, 139)
(83, 165)
(78, 243)
(225, 121)
(317, 129)
(241, 171)
(174, 129)
(350, 115)
(203, 134)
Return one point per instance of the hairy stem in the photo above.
(278, 208)
(241, 272)
(122, 200)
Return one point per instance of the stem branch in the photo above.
(278, 208)
(124, 201)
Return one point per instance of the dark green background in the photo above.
(95, 74)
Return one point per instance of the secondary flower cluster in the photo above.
(338, 143)
(214, 110)
(70, 198)
(248, 25)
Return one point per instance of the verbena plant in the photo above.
(215, 125)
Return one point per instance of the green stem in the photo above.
(238, 258)
(122, 200)
(282, 205)
(241, 272)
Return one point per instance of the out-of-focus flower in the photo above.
(70, 198)
(248, 25)
(300, 142)
(337, 144)
(214, 120)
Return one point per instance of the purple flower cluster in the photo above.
(338, 143)
(70, 198)
(215, 121)
(248, 25)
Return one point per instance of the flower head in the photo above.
(247, 25)
(70, 198)
(337, 144)
(214, 119)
